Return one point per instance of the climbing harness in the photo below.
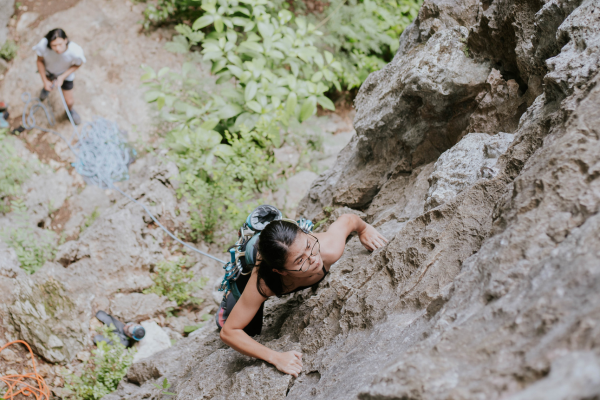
(243, 252)
(101, 151)
(25, 384)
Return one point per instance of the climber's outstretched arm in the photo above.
(233, 332)
(334, 240)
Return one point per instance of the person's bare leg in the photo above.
(70, 100)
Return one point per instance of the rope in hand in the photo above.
(102, 153)
(17, 384)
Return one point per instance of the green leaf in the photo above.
(191, 328)
(163, 71)
(317, 77)
(202, 22)
(219, 25)
(150, 74)
(223, 77)
(266, 30)
(178, 45)
(326, 103)
(308, 108)
(217, 66)
(210, 124)
(224, 150)
(152, 95)
(160, 102)
(250, 91)
(254, 106)
(292, 102)
(229, 111)
(328, 57)
(252, 46)
(236, 71)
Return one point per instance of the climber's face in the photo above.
(304, 256)
(59, 45)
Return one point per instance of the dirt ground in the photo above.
(43, 7)
(108, 84)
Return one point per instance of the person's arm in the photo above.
(61, 78)
(233, 333)
(42, 70)
(334, 240)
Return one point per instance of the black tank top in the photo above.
(243, 280)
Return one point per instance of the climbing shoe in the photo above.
(44, 94)
(75, 116)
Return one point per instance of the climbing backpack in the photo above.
(243, 252)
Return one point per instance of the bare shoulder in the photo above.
(254, 287)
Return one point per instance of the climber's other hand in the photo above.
(289, 362)
(371, 239)
(48, 85)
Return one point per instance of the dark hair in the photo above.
(273, 245)
(55, 34)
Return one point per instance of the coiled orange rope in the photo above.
(17, 383)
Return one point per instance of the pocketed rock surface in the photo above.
(491, 293)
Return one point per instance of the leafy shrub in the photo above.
(102, 373)
(8, 51)
(268, 76)
(13, 173)
(33, 246)
(364, 34)
(165, 11)
(173, 281)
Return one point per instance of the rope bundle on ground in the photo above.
(25, 384)
(102, 154)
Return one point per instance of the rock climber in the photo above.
(288, 260)
(58, 59)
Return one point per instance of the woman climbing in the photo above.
(58, 59)
(288, 259)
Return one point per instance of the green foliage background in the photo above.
(271, 69)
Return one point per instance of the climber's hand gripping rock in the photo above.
(289, 362)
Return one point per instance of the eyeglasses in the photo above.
(314, 251)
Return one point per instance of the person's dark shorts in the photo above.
(67, 85)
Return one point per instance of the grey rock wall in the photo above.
(7, 8)
(489, 291)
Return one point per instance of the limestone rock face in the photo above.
(472, 158)
(52, 322)
(489, 286)
(106, 268)
(7, 8)
(138, 307)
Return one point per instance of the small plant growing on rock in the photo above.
(164, 387)
(102, 373)
(33, 246)
(8, 51)
(90, 219)
(14, 172)
(173, 280)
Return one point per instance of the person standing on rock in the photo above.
(288, 260)
(58, 59)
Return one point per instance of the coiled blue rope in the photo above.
(101, 151)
